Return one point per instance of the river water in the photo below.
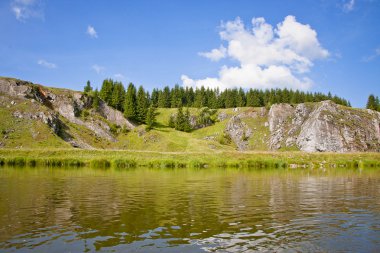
(189, 210)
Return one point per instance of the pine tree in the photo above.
(241, 99)
(141, 105)
(130, 103)
(164, 98)
(154, 97)
(179, 122)
(96, 100)
(150, 118)
(371, 103)
(377, 101)
(118, 96)
(171, 122)
(88, 87)
(186, 124)
(106, 91)
(176, 97)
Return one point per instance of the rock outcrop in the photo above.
(69, 105)
(239, 132)
(324, 127)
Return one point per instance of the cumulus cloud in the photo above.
(25, 9)
(268, 57)
(349, 5)
(215, 54)
(98, 69)
(92, 32)
(47, 64)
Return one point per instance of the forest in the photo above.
(135, 102)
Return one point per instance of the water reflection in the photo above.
(212, 210)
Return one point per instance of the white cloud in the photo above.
(373, 56)
(47, 64)
(91, 31)
(268, 57)
(98, 69)
(349, 5)
(215, 54)
(119, 76)
(25, 9)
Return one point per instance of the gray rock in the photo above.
(324, 127)
(222, 116)
(239, 132)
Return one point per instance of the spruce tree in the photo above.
(154, 97)
(106, 91)
(377, 101)
(164, 98)
(141, 105)
(130, 103)
(150, 118)
(371, 103)
(186, 124)
(118, 96)
(96, 100)
(88, 87)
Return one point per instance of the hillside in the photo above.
(36, 116)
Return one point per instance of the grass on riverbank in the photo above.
(131, 159)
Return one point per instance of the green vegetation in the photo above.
(150, 118)
(373, 103)
(135, 105)
(130, 159)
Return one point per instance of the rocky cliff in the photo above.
(324, 126)
(61, 110)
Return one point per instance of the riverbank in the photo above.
(131, 159)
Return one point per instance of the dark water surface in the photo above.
(186, 210)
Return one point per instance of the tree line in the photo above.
(373, 103)
(135, 102)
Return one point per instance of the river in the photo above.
(189, 210)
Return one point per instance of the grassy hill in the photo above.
(21, 128)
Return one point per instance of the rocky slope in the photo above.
(60, 110)
(324, 126)
(34, 116)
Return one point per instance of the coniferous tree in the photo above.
(187, 125)
(154, 97)
(240, 99)
(96, 100)
(106, 91)
(88, 87)
(118, 96)
(150, 117)
(164, 98)
(171, 122)
(176, 97)
(141, 105)
(377, 102)
(180, 119)
(190, 96)
(130, 110)
(371, 103)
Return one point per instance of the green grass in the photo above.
(228, 159)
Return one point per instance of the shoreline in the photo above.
(130, 159)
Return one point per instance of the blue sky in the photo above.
(314, 45)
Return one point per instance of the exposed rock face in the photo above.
(67, 104)
(324, 126)
(239, 132)
(279, 115)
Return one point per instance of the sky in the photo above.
(312, 45)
